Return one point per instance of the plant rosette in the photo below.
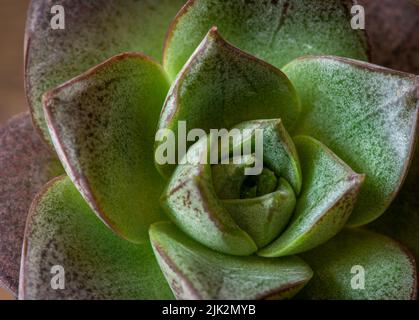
(338, 138)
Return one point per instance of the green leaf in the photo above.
(221, 86)
(102, 124)
(367, 115)
(401, 220)
(274, 31)
(97, 264)
(94, 31)
(329, 192)
(340, 264)
(26, 164)
(196, 272)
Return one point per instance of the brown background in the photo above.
(12, 97)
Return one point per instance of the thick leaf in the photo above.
(401, 220)
(62, 231)
(330, 189)
(94, 31)
(274, 31)
(367, 115)
(26, 164)
(393, 32)
(221, 86)
(356, 256)
(102, 125)
(196, 272)
(191, 200)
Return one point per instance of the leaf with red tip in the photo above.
(26, 164)
(196, 272)
(93, 263)
(102, 124)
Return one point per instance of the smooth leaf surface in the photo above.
(102, 124)
(367, 115)
(329, 192)
(221, 86)
(196, 272)
(26, 164)
(274, 31)
(94, 31)
(389, 270)
(62, 231)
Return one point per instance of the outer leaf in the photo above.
(393, 32)
(330, 189)
(275, 31)
(25, 165)
(367, 115)
(94, 31)
(102, 124)
(389, 269)
(221, 86)
(401, 220)
(62, 231)
(196, 272)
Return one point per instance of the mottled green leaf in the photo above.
(196, 272)
(329, 192)
(274, 31)
(102, 124)
(221, 86)
(359, 264)
(94, 31)
(367, 115)
(26, 164)
(97, 264)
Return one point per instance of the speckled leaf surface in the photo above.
(102, 124)
(329, 192)
(62, 230)
(221, 86)
(367, 115)
(94, 31)
(401, 220)
(196, 272)
(274, 31)
(26, 164)
(389, 270)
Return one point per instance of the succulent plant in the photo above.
(339, 136)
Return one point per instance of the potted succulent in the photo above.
(331, 215)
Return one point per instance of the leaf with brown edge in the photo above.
(329, 192)
(63, 231)
(26, 164)
(366, 114)
(354, 255)
(102, 124)
(274, 31)
(94, 31)
(221, 86)
(196, 272)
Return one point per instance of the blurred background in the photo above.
(12, 25)
(12, 97)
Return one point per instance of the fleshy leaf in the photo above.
(274, 31)
(26, 164)
(329, 192)
(94, 31)
(361, 265)
(367, 115)
(401, 220)
(191, 201)
(196, 272)
(63, 232)
(221, 86)
(102, 125)
(393, 33)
